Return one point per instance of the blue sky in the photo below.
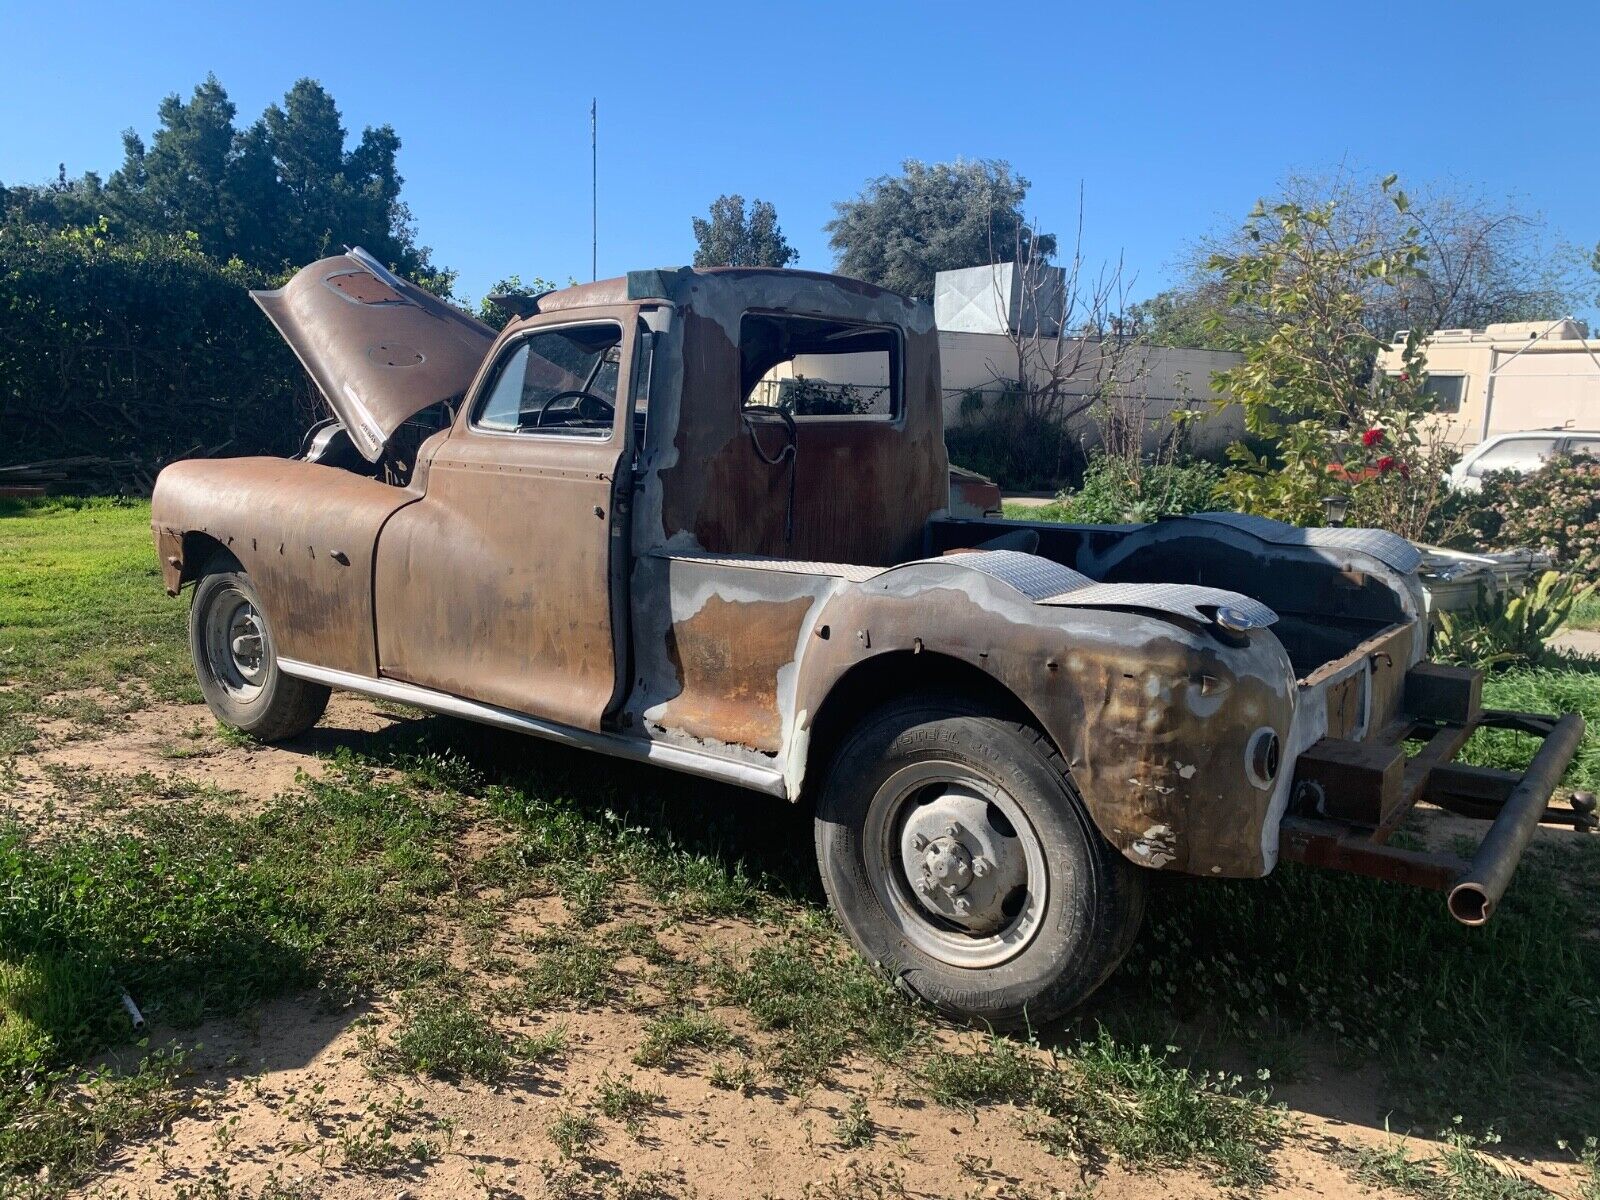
(1173, 117)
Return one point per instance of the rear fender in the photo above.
(1154, 715)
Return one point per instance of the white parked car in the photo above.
(1522, 452)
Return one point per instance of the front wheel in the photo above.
(236, 663)
(961, 860)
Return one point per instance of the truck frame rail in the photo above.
(1350, 798)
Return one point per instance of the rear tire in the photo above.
(1050, 907)
(236, 660)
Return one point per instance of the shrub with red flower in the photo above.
(1372, 436)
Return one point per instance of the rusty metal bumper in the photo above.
(1349, 798)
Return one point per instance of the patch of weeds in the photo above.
(572, 967)
(233, 737)
(633, 937)
(388, 1133)
(448, 1040)
(59, 1122)
(733, 1077)
(1003, 1072)
(1389, 1165)
(573, 1133)
(55, 1006)
(859, 1181)
(620, 1100)
(667, 1037)
(1470, 1173)
(1456, 1017)
(587, 892)
(1588, 1156)
(1462, 1170)
(824, 1003)
(1149, 1111)
(545, 1045)
(855, 1129)
(1129, 1100)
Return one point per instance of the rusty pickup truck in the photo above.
(704, 519)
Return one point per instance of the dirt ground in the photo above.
(288, 1099)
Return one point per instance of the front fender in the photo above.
(304, 533)
(1153, 714)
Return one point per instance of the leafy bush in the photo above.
(1115, 491)
(1556, 509)
(1020, 449)
(1511, 628)
(137, 349)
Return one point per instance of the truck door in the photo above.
(498, 584)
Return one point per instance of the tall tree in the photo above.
(732, 238)
(179, 183)
(904, 229)
(279, 192)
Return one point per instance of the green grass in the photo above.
(1586, 613)
(1562, 686)
(668, 1037)
(81, 600)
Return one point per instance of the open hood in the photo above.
(380, 349)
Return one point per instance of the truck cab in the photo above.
(705, 519)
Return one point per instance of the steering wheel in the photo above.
(580, 395)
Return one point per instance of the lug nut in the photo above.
(980, 867)
(918, 842)
(963, 905)
(952, 831)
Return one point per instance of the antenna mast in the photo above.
(594, 195)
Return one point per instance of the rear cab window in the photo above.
(817, 369)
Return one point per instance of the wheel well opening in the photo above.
(199, 551)
(894, 676)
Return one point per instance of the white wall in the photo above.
(1155, 380)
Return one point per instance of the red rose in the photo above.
(1405, 377)
(1386, 463)
(1371, 436)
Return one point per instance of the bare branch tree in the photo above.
(1070, 352)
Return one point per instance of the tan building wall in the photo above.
(1511, 377)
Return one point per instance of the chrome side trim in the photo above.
(760, 779)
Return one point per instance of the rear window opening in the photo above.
(820, 370)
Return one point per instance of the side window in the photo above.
(561, 381)
(1515, 454)
(1584, 447)
(820, 370)
(1445, 391)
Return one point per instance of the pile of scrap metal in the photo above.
(1456, 580)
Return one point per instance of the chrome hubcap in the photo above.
(245, 642)
(961, 868)
(236, 645)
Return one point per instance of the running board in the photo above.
(662, 754)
